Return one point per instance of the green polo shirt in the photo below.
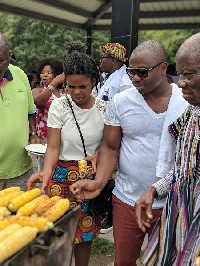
(14, 129)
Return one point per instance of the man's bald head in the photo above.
(188, 69)
(190, 47)
(155, 48)
(4, 55)
(4, 42)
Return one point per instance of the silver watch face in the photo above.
(51, 87)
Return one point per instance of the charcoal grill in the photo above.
(52, 248)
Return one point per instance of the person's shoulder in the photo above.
(15, 69)
(18, 74)
(101, 104)
(126, 93)
(177, 91)
(59, 103)
(175, 86)
(60, 100)
(126, 79)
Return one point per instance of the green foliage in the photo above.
(32, 40)
(102, 246)
(171, 39)
(99, 38)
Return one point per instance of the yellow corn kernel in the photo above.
(5, 200)
(4, 211)
(57, 210)
(42, 224)
(46, 205)
(21, 200)
(16, 241)
(8, 230)
(8, 190)
(3, 224)
(82, 164)
(29, 207)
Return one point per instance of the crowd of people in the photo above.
(138, 120)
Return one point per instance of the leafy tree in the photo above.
(171, 39)
(99, 38)
(32, 40)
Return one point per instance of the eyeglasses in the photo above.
(141, 72)
(102, 57)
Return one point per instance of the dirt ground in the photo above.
(102, 259)
(106, 260)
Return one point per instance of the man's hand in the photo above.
(143, 208)
(85, 189)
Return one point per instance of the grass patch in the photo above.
(102, 246)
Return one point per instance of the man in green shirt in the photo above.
(17, 116)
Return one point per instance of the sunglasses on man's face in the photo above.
(141, 72)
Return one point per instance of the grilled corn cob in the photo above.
(8, 230)
(3, 224)
(41, 223)
(4, 211)
(21, 200)
(46, 205)
(8, 190)
(17, 240)
(82, 164)
(5, 200)
(57, 210)
(29, 207)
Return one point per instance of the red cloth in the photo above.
(4, 81)
(128, 237)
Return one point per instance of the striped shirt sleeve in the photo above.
(163, 185)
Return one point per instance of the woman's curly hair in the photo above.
(55, 65)
(79, 63)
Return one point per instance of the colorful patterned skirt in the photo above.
(64, 175)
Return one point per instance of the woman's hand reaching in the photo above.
(59, 79)
(38, 178)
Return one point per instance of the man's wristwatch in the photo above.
(51, 88)
(32, 134)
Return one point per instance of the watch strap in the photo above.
(51, 88)
(32, 134)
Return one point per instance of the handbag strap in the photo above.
(82, 139)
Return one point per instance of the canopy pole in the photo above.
(125, 23)
(88, 40)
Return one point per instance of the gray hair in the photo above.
(191, 47)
